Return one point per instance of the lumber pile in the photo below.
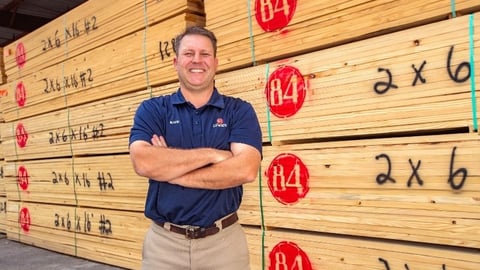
(368, 111)
(67, 114)
(364, 140)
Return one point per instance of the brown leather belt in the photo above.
(195, 232)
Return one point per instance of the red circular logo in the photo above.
(22, 135)
(273, 15)
(20, 55)
(22, 178)
(285, 91)
(24, 219)
(287, 178)
(20, 94)
(287, 255)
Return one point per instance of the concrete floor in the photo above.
(18, 256)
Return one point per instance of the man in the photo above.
(198, 148)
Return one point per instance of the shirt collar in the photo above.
(216, 99)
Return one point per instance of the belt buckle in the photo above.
(194, 232)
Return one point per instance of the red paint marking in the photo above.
(24, 219)
(288, 179)
(23, 178)
(20, 94)
(20, 55)
(289, 256)
(273, 15)
(285, 91)
(21, 135)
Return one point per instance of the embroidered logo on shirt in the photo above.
(174, 122)
(219, 123)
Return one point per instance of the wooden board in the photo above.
(313, 25)
(420, 189)
(347, 89)
(107, 182)
(21, 138)
(128, 64)
(290, 249)
(48, 181)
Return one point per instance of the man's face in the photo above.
(195, 64)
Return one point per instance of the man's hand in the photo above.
(158, 141)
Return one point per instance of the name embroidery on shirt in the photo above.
(174, 122)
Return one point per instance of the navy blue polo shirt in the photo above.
(221, 121)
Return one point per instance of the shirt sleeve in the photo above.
(246, 127)
(147, 121)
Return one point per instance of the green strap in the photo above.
(261, 215)
(269, 130)
(19, 193)
(69, 130)
(452, 5)
(472, 74)
(145, 64)
(269, 127)
(250, 28)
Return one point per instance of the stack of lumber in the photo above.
(360, 175)
(372, 141)
(368, 111)
(67, 116)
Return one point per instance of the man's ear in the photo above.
(175, 62)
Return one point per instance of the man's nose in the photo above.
(196, 58)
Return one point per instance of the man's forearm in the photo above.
(164, 164)
(229, 173)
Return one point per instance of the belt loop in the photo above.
(219, 224)
(166, 226)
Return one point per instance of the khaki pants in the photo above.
(167, 250)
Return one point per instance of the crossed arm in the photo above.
(205, 168)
